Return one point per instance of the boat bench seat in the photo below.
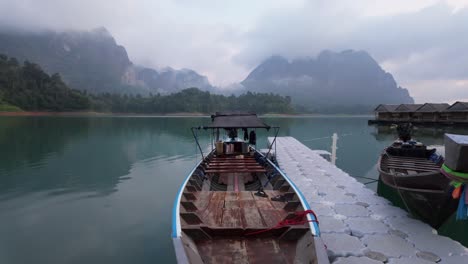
(236, 170)
(205, 232)
(234, 166)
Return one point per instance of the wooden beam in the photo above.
(410, 168)
(412, 164)
(234, 170)
(235, 167)
(189, 196)
(191, 218)
(233, 161)
(291, 206)
(189, 206)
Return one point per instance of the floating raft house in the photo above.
(429, 113)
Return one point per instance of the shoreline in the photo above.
(182, 114)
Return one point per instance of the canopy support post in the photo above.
(212, 139)
(274, 141)
(198, 143)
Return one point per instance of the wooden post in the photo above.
(334, 148)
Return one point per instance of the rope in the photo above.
(312, 139)
(367, 178)
(340, 135)
(401, 196)
(298, 219)
(374, 181)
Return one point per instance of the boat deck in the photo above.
(254, 250)
(229, 223)
(357, 225)
(237, 227)
(240, 209)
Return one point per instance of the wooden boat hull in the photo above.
(423, 178)
(426, 195)
(431, 206)
(218, 218)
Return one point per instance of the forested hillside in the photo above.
(191, 100)
(28, 87)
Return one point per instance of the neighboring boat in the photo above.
(404, 170)
(236, 206)
(413, 171)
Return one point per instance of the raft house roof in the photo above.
(458, 107)
(431, 108)
(386, 108)
(408, 107)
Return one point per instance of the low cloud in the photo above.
(418, 47)
(421, 42)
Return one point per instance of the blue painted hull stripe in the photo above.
(175, 209)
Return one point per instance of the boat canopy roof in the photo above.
(236, 120)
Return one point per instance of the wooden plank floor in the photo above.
(252, 250)
(240, 209)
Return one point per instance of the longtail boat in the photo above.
(413, 171)
(237, 206)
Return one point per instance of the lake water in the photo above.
(101, 189)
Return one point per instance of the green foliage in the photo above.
(30, 88)
(191, 100)
(9, 108)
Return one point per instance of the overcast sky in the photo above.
(423, 43)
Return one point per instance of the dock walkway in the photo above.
(357, 225)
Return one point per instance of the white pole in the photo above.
(334, 148)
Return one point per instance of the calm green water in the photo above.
(100, 189)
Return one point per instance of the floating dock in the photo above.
(356, 224)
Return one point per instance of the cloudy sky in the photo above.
(423, 43)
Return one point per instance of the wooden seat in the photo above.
(250, 166)
(247, 170)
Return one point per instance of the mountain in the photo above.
(348, 81)
(93, 61)
(166, 80)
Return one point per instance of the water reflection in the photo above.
(91, 190)
(427, 135)
(66, 154)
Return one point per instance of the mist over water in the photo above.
(101, 189)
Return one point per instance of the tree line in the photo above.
(28, 87)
